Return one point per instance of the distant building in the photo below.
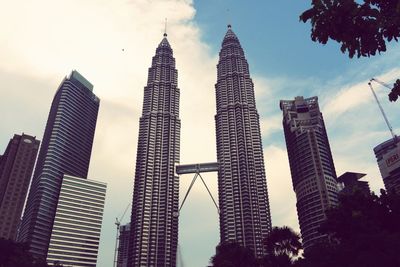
(311, 165)
(76, 230)
(388, 157)
(350, 183)
(66, 149)
(16, 167)
(123, 245)
(242, 185)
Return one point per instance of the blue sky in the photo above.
(43, 40)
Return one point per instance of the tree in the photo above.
(364, 230)
(282, 246)
(361, 27)
(17, 254)
(231, 254)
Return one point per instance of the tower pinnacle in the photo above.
(165, 28)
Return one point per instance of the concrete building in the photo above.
(154, 220)
(242, 186)
(388, 157)
(16, 165)
(66, 149)
(76, 230)
(311, 165)
(349, 183)
(123, 245)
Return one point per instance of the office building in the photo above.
(311, 165)
(123, 245)
(388, 157)
(154, 220)
(65, 150)
(349, 183)
(76, 230)
(242, 186)
(16, 165)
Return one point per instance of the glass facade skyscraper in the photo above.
(154, 221)
(311, 165)
(243, 197)
(65, 150)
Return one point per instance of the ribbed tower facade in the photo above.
(154, 221)
(311, 165)
(243, 197)
(66, 149)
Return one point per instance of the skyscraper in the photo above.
(75, 236)
(66, 149)
(154, 221)
(311, 164)
(16, 167)
(123, 245)
(388, 157)
(243, 197)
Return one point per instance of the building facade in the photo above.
(76, 230)
(16, 165)
(242, 186)
(65, 150)
(349, 184)
(388, 157)
(154, 220)
(123, 245)
(311, 165)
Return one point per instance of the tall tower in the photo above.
(243, 197)
(66, 149)
(311, 165)
(154, 221)
(16, 167)
(388, 157)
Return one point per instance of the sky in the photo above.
(111, 43)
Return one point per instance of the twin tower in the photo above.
(243, 198)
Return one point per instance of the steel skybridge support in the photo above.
(196, 169)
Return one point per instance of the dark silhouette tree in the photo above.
(231, 254)
(17, 255)
(361, 27)
(282, 246)
(364, 230)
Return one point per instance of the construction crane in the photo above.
(118, 224)
(379, 104)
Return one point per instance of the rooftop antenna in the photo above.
(165, 28)
(228, 18)
(379, 104)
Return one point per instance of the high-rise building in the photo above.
(243, 197)
(123, 245)
(311, 165)
(16, 167)
(388, 157)
(154, 221)
(65, 150)
(76, 230)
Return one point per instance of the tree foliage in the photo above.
(361, 27)
(231, 254)
(16, 254)
(395, 93)
(282, 245)
(364, 231)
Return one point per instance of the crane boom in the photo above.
(379, 104)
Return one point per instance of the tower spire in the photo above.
(165, 28)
